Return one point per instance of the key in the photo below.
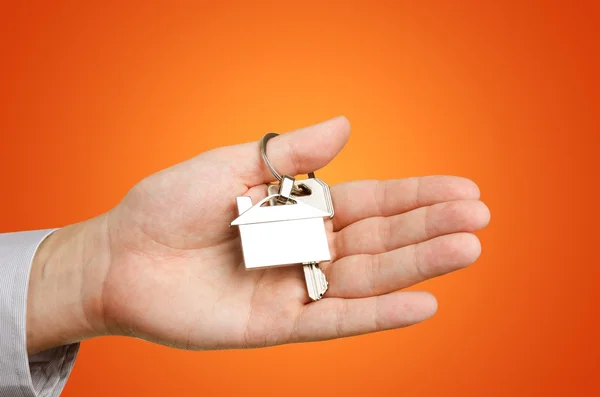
(316, 283)
(314, 192)
(272, 234)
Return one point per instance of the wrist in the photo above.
(65, 286)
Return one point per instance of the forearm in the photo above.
(65, 283)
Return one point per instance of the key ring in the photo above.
(263, 153)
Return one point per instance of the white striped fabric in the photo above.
(45, 373)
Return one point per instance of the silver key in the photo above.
(314, 192)
(270, 235)
(316, 283)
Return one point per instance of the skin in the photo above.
(165, 266)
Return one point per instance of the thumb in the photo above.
(297, 152)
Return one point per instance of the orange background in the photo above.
(95, 97)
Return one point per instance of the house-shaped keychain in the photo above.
(277, 235)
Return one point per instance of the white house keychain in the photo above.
(287, 226)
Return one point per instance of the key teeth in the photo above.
(316, 282)
(324, 283)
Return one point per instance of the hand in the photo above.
(164, 265)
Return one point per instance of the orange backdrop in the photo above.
(95, 97)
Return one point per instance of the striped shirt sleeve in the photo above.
(43, 374)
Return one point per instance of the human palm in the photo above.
(176, 275)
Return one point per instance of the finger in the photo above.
(337, 318)
(298, 152)
(367, 275)
(381, 234)
(354, 201)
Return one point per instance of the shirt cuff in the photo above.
(43, 374)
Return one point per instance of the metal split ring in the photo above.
(263, 153)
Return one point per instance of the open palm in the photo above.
(176, 275)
